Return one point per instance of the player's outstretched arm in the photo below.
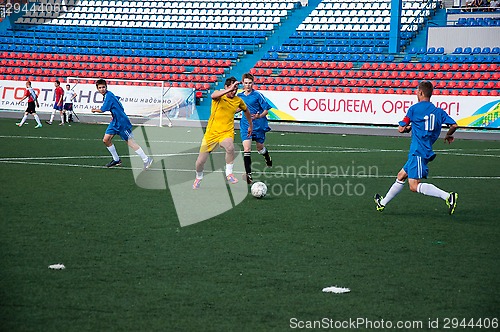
(219, 93)
(449, 135)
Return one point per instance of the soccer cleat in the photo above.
(269, 162)
(452, 202)
(61, 124)
(196, 184)
(48, 122)
(148, 163)
(248, 178)
(377, 198)
(231, 179)
(19, 124)
(38, 126)
(114, 163)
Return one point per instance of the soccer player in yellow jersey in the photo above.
(220, 128)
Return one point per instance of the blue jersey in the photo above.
(120, 120)
(426, 122)
(256, 104)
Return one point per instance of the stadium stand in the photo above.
(340, 46)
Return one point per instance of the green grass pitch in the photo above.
(261, 265)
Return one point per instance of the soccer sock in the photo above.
(229, 169)
(199, 175)
(247, 159)
(141, 154)
(62, 118)
(52, 116)
(113, 152)
(23, 120)
(265, 153)
(37, 119)
(431, 190)
(393, 191)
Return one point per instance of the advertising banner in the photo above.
(382, 109)
(321, 107)
(143, 101)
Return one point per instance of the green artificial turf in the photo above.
(260, 266)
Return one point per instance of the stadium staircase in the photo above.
(279, 35)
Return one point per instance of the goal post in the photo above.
(154, 102)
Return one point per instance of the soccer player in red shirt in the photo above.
(32, 104)
(58, 104)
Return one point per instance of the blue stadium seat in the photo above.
(476, 50)
(467, 50)
(407, 58)
(486, 50)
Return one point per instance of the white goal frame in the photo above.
(74, 80)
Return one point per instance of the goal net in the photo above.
(151, 102)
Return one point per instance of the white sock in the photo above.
(393, 191)
(263, 151)
(428, 189)
(23, 120)
(37, 119)
(199, 175)
(52, 116)
(141, 154)
(113, 152)
(62, 118)
(229, 169)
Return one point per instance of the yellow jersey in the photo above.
(221, 119)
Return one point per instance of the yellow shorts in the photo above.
(210, 141)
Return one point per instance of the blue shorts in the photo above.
(416, 167)
(258, 135)
(125, 134)
(58, 107)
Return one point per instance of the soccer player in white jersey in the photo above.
(69, 97)
(424, 120)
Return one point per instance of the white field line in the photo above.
(328, 148)
(27, 161)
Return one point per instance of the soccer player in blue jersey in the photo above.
(119, 125)
(424, 120)
(259, 108)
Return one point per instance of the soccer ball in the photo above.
(258, 189)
